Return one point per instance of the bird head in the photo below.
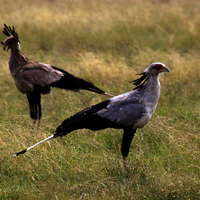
(12, 39)
(154, 69)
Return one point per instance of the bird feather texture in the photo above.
(36, 78)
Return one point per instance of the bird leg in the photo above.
(126, 143)
(38, 124)
(35, 108)
(33, 124)
(124, 163)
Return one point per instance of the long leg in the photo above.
(126, 143)
(39, 109)
(35, 107)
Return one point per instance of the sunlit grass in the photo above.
(107, 43)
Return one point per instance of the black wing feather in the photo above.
(70, 82)
(80, 119)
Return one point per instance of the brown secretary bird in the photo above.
(128, 111)
(36, 78)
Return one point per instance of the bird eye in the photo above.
(157, 67)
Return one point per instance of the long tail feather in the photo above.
(99, 91)
(109, 94)
(71, 82)
(25, 150)
(80, 120)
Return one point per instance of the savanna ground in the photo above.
(106, 42)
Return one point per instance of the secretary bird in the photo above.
(36, 78)
(128, 111)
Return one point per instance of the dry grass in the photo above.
(106, 42)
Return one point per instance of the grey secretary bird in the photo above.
(128, 111)
(36, 78)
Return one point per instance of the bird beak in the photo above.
(3, 46)
(166, 69)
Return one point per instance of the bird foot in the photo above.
(38, 124)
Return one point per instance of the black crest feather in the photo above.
(140, 82)
(8, 31)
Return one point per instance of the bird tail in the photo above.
(25, 150)
(70, 124)
(70, 82)
(86, 118)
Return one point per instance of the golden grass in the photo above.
(106, 42)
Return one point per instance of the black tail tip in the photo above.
(21, 152)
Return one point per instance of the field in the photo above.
(106, 42)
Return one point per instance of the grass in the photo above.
(106, 42)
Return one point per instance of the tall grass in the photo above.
(106, 42)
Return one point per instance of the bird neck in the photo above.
(151, 91)
(17, 59)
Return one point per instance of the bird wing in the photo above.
(40, 74)
(118, 112)
(124, 109)
(80, 119)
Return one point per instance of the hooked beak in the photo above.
(3, 46)
(166, 69)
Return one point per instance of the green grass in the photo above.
(106, 42)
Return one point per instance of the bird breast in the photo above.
(142, 121)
